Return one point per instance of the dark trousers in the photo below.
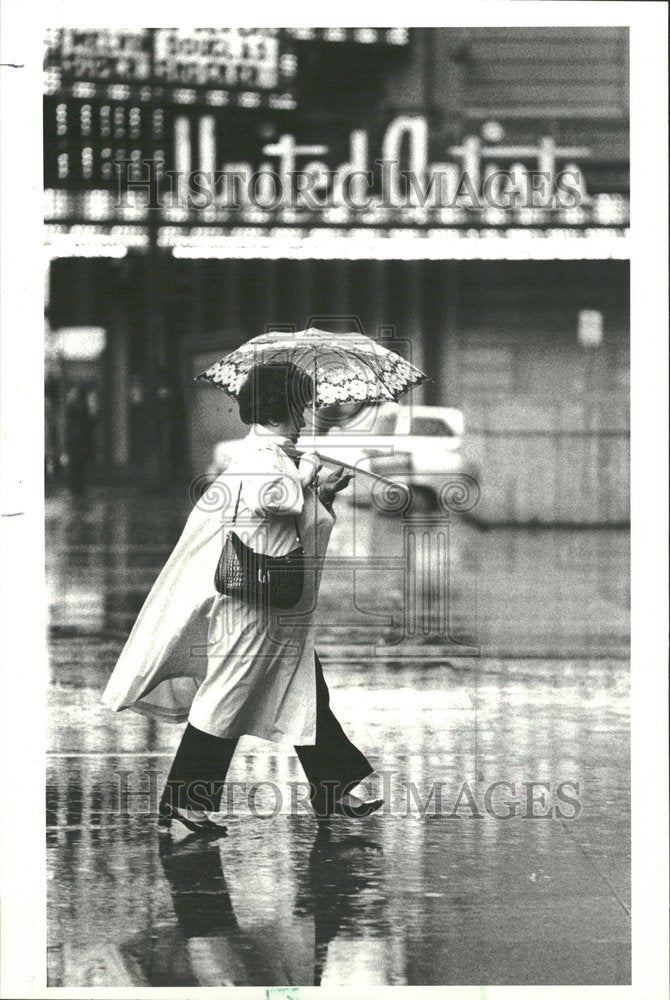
(332, 766)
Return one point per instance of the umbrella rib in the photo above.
(377, 375)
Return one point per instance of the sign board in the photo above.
(196, 131)
(78, 343)
(235, 67)
(114, 162)
(238, 58)
(245, 67)
(590, 330)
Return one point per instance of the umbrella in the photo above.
(345, 368)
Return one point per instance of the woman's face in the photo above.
(292, 426)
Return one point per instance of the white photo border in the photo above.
(24, 664)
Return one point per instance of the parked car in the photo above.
(416, 445)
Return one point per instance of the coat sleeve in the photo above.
(272, 485)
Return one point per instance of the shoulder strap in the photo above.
(237, 503)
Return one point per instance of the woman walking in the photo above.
(230, 666)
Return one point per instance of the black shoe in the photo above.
(358, 810)
(204, 825)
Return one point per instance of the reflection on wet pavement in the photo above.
(521, 676)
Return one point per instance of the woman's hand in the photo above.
(310, 463)
(333, 484)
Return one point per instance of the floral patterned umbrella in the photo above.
(345, 367)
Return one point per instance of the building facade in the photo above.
(464, 191)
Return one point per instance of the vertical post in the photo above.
(415, 320)
(342, 287)
(449, 363)
(118, 391)
(232, 299)
(377, 296)
(304, 294)
(268, 296)
(154, 459)
(314, 398)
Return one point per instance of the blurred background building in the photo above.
(518, 313)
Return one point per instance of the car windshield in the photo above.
(431, 427)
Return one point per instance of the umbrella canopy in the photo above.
(345, 367)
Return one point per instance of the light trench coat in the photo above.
(228, 667)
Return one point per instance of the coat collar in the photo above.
(261, 437)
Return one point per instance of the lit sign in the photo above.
(218, 57)
(115, 163)
(79, 343)
(181, 162)
(292, 179)
(243, 67)
(110, 55)
(590, 328)
(239, 243)
(358, 36)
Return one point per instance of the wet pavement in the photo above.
(512, 668)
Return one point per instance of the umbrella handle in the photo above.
(336, 463)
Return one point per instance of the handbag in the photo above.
(259, 579)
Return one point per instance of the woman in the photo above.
(232, 668)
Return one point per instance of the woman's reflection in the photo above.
(336, 930)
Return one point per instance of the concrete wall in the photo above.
(547, 419)
(530, 72)
(550, 474)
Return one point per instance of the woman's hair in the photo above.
(273, 392)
